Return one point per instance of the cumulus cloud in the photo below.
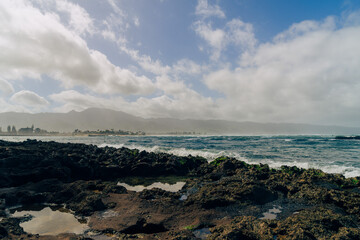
(235, 33)
(298, 29)
(205, 10)
(78, 18)
(214, 37)
(240, 34)
(192, 107)
(187, 66)
(5, 87)
(28, 98)
(109, 35)
(309, 72)
(8, 107)
(181, 67)
(145, 61)
(36, 43)
(173, 103)
(74, 100)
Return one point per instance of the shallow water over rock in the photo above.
(272, 213)
(164, 186)
(50, 222)
(202, 233)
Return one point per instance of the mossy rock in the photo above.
(219, 160)
(190, 227)
(291, 170)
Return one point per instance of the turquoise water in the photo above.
(324, 152)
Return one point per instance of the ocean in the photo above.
(322, 152)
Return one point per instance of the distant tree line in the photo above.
(184, 133)
(28, 131)
(11, 130)
(107, 132)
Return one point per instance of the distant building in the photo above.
(26, 130)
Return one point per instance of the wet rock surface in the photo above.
(224, 199)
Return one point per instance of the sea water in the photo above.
(50, 222)
(312, 151)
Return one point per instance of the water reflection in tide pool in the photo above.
(164, 186)
(50, 222)
(202, 233)
(271, 213)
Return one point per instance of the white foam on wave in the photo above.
(344, 170)
(111, 145)
(210, 155)
(336, 169)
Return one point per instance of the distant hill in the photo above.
(95, 118)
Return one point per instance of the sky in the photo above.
(243, 60)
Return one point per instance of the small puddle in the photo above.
(183, 197)
(202, 233)
(107, 214)
(164, 186)
(97, 236)
(50, 222)
(271, 213)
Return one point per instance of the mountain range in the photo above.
(96, 118)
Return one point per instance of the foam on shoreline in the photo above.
(210, 155)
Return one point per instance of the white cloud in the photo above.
(241, 34)
(116, 24)
(148, 64)
(117, 80)
(352, 19)
(205, 10)
(187, 66)
(28, 98)
(79, 19)
(136, 21)
(183, 105)
(109, 35)
(298, 29)
(73, 100)
(182, 66)
(308, 73)
(170, 87)
(214, 37)
(8, 107)
(116, 8)
(36, 43)
(189, 107)
(114, 27)
(5, 87)
(178, 101)
(235, 33)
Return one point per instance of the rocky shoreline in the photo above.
(224, 199)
